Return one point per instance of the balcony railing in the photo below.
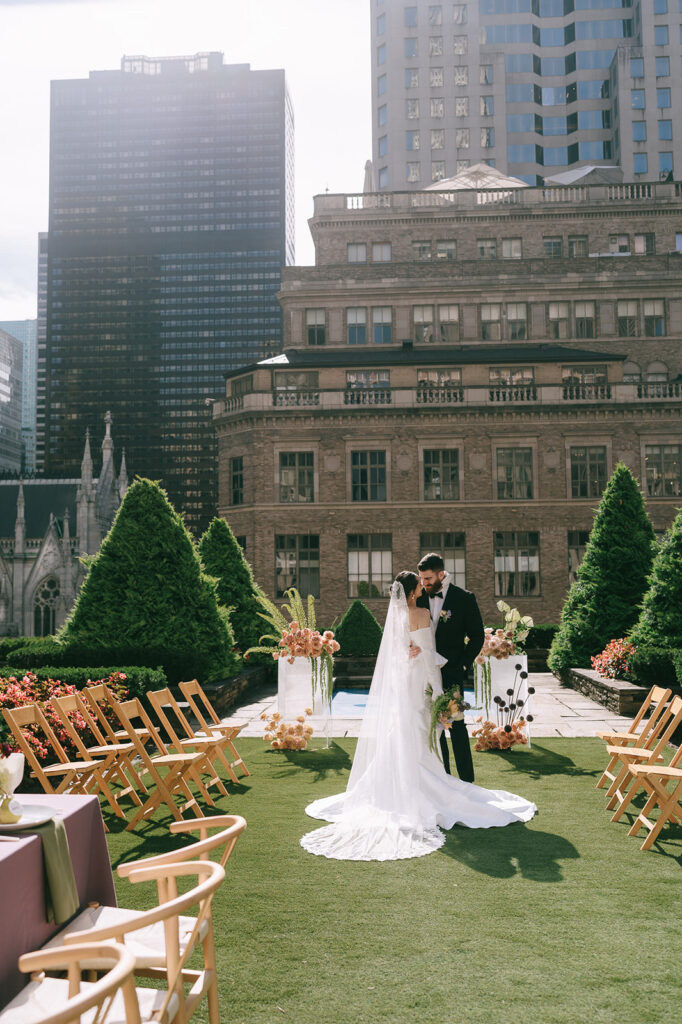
(454, 395)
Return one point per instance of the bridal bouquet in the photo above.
(298, 637)
(447, 708)
(287, 735)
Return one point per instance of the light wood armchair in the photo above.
(49, 1000)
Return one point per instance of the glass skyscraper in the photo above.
(171, 215)
(531, 87)
(25, 331)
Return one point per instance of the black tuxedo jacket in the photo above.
(464, 620)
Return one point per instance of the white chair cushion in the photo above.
(41, 999)
(147, 944)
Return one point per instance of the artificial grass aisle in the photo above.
(560, 920)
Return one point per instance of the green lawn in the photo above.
(560, 920)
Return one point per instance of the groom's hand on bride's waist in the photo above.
(414, 651)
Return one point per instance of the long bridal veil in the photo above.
(379, 817)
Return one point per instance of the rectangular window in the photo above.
(552, 246)
(584, 376)
(639, 131)
(356, 325)
(665, 130)
(665, 166)
(289, 382)
(445, 377)
(421, 250)
(577, 542)
(451, 547)
(663, 99)
(357, 252)
(383, 145)
(410, 17)
(619, 243)
(485, 74)
(511, 248)
(297, 563)
(315, 326)
(516, 321)
(487, 106)
(661, 7)
(381, 24)
(461, 45)
(296, 477)
(368, 476)
(422, 317)
(411, 48)
(558, 319)
(639, 163)
(588, 471)
(462, 75)
(381, 252)
(237, 480)
(517, 564)
(362, 380)
(448, 318)
(577, 246)
(663, 470)
(381, 85)
(487, 138)
(381, 54)
(437, 170)
(412, 142)
(436, 79)
(435, 46)
(636, 67)
(662, 67)
(514, 473)
(435, 14)
(446, 249)
(370, 564)
(459, 14)
(437, 106)
(487, 248)
(382, 325)
(382, 115)
(627, 318)
(654, 318)
(462, 141)
(511, 376)
(490, 322)
(585, 320)
(413, 171)
(437, 138)
(441, 474)
(661, 35)
(637, 101)
(411, 78)
(645, 245)
(412, 110)
(462, 106)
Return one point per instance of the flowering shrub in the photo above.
(15, 693)
(612, 663)
(287, 735)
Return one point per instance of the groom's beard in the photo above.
(434, 589)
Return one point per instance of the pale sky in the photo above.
(323, 45)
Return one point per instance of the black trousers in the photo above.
(461, 748)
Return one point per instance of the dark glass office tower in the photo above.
(171, 215)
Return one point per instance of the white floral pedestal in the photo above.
(505, 676)
(295, 693)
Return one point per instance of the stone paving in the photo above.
(557, 711)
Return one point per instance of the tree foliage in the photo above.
(146, 589)
(660, 620)
(236, 589)
(358, 633)
(603, 603)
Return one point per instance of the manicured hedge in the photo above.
(651, 666)
(540, 636)
(358, 633)
(138, 679)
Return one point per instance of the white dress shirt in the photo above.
(436, 601)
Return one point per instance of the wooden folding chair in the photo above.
(622, 790)
(96, 696)
(162, 940)
(211, 745)
(615, 770)
(115, 756)
(50, 1000)
(76, 776)
(180, 768)
(639, 730)
(191, 690)
(656, 779)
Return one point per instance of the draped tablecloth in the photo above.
(23, 923)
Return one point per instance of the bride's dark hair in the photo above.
(409, 581)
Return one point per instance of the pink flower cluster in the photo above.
(305, 643)
(499, 737)
(612, 663)
(287, 735)
(498, 644)
(16, 693)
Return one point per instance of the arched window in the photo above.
(45, 607)
(631, 373)
(656, 373)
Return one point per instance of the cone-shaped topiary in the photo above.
(660, 620)
(223, 559)
(146, 591)
(358, 633)
(603, 603)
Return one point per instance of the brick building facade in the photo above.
(462, 371)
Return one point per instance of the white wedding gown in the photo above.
(398, 792)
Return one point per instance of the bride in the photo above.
(398, 792)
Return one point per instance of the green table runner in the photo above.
(61, 895)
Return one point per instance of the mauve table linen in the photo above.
(23, 924)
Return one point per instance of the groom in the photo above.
(455, 615)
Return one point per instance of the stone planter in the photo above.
(617, 695)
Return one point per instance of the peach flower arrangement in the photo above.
(283, 735)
